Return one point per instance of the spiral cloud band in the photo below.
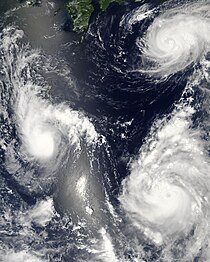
(176, 38)
(166, 196)
(167, 189)
(44, 128)
(42, 125)
(163, 211)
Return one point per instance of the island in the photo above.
(81, 11)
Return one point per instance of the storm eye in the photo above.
(104, 132)
(178, 42)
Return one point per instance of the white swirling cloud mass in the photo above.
(167, 190)
(176, 38)
(166, 196)
(43, 127)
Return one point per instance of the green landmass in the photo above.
(104, 4)
(81, 10)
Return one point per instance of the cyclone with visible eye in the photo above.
(176, 39)
(163, 211)
(166, 193)
(166, 196)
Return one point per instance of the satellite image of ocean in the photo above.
(105, 131)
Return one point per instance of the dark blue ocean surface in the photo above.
(104, 137)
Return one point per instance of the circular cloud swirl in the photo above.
(166, 192)
(176, 38)
(44, 128)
